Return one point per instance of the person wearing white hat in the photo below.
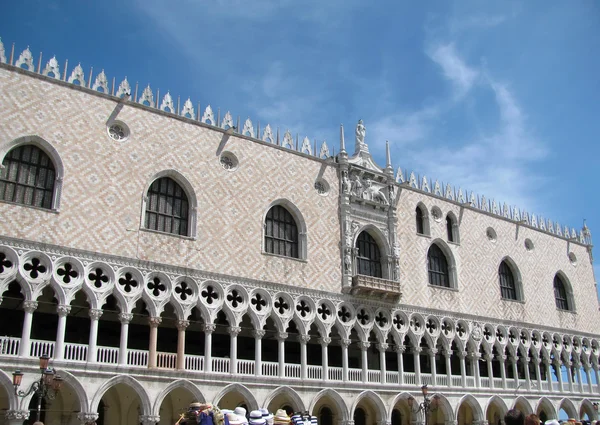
(256, 418)
(267, 416)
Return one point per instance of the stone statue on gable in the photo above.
(359, 141)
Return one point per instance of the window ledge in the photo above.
(158, 232)
(566, 311)
(48, 210)
(454, 243)
(445, 288)
(301, 260)
(513, 301)
(425, 235)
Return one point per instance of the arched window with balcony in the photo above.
(368, 257)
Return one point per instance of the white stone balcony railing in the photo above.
(77, 353)
(369, 285)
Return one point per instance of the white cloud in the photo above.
(455, 69)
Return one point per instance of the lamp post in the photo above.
(427, 406)
(46, 387)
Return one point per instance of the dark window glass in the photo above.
(281, 233)
(437, 266)
(368, 257)
(167, 207)
(508, 289)
(449, 226)
(560, 294)
(419, 218)
(27, 177)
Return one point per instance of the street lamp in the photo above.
(46, 387)
(426, 406)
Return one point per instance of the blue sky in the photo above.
(496, 97)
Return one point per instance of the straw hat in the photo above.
(281, 417)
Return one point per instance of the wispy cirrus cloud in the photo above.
(462, 76)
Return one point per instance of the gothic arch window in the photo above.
(29, 175)
(368, 258)
(452, 228)
(169, 206)
(563, 294)
(284, 230)
(421, 220)
(510, 282)
(437, 267)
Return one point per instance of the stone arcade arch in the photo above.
(495, 410)
(334, 401)
(569, 407)
(191, 392)
(587, 408)
(122, 392)
(468, 411)
(400, 404)
(235, 395)
(546, 407)
(442, 413)
(373, 406)
(284, 396)
(522, 404)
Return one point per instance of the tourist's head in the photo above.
(532, 420)
(514, 417)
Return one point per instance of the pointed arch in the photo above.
(587, 407)
(289, 393)
(372, 250)
(80, 392)
(568, 406)
(495, 410)
(441, 265)
(547, 406)
(243, 390)
(296, 223)
(180, 383)
(510, 280)
(381, 409)
(138, 388)
(472, 402)
(54, 157)
(404, 396)
(523, 405)
(563, 292)
(444, 405)
(6, 383)
(497, 401)
(452, 232)
(422, 219)
(190, 196)
(335, 397)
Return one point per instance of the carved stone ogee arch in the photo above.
(334, 396)
(568, 406)
(382, 243)
(498, 402)
(547, 406)
(187, 187)
(291, 394)
(131, 382)
(7, 384)
(375, 399)
(401, 397)
(521, 402)
(180, 383)
(469, 400)
(241, 389)
(48, 149)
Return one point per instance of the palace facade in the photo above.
(160, 255)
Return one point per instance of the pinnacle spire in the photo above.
(342, 143)
(388, 157)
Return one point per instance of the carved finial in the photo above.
(399, 176)
(188, 109)
(167, 103)
(324, 152)
(25, 58)
(587, 235)
(248, 128)
(342, 143)
(306, 148)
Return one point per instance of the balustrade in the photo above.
(10, 346)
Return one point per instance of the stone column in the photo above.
(364, 346)
(569, 365)
(502, 359)
(234, 331)
(558, 365)
(149, 419)
(538, 373)
(432, 353)
(382, 347)
(463, 368)
(548, 364)
(417, 362)
(87, 418)
(588, 375)
(181, 327)
(125, 319)
(25, 348)
(490, 369)
(59, 348)
(16, 417)
(258, 336)
(577, 367)
(345, 344)
(281, 337)
(475, 358)
(95, 315)
(209, 328)
(526, 361)
(153, 322)
(325, 341)
(303, 340)
(597, 372)
(513, 362)
(399, 351)
(447, 356)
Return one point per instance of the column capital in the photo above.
(345, 342)
(383, 346)
(258, 333)
(325, 341)
(282, 335)
(182, 325)
(400, 349)
(149, 419)
(501, 357)
(416, 350)
(63, 310)
(303, 339)
(451, 422)
(488, 357)
(154, 321)
(432, 351)
(87, 418)
(209, 327)
(125, 318)
(95, 313)
(364, 345)
(30, 306)
(234, 330)
(17, 415)
(462, 354)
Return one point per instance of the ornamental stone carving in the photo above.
(30, 306)
(182, 325)
(149, 419)
(87, 418)
(63, 310)
(125, 318)
(17, 415)
(258, 333)
(476, 332)
(210, 327)
(154, 321)
(95, 313)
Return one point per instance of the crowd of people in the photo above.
(516, 417)
(209, 414)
